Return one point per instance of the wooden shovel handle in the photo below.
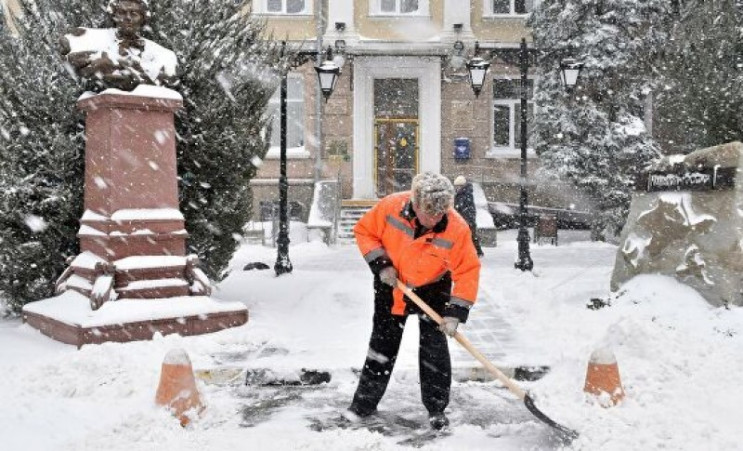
(515, 389)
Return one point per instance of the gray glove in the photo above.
(389, 276)
(449, 326)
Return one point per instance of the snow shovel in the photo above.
(564, 432)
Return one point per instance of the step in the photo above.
(78, 283)
(355, 215)
(154, 288)
(360, 203)
(355, 209)
(151, 267)
(351, 212)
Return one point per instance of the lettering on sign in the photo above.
(703, 179)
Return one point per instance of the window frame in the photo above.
(375, 9)
(514, 142)
(261, 7)
(293, 152)
(489, 13)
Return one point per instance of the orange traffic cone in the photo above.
(602, 377)
(177, 390)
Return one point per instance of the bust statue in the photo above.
(119, 57)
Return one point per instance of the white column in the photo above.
(458, 12)
(340, 11)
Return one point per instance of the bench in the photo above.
(546, 229)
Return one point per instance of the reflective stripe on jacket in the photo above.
(387, 231)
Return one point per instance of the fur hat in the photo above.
(460, 180)
(433, 193)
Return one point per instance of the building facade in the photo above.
(403, 103)
(10, 9)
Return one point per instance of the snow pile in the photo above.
(484, 219)
(679, 359)
(680, 364)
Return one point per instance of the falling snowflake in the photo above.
(35, 223)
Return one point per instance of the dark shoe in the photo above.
(438, 420)
(354, 414)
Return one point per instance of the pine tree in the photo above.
(226, 83)
(594, 137)
(701, 101)
(41, 165)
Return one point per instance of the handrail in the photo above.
(337, 207)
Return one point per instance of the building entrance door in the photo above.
(396, 154)
(395, 134)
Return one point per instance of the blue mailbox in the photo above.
(461, 148)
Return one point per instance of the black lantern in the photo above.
(327, 74)
(477, 69)
(569, 72)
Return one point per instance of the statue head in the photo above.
(129, 16)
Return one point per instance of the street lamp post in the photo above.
(327, 74)
(524, 262)
(283, 264)
(569, 72)
(478, 68)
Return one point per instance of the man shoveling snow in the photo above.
(418, 238)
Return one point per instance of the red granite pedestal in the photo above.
(132, 234)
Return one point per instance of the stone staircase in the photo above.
(134, 277)
(351, 212)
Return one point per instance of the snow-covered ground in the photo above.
(680, 360)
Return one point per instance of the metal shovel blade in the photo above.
(565, 434)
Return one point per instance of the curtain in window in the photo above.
(523, 6)
(295, 6)
(292, 6)
(387, 6)
(501, 6)
(391, 6)
(519, 6)
(507, 111)
(294, 114)
(409, 6)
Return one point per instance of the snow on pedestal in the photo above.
(688, 223)
(68, 317)
(132, 236)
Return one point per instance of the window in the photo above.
(299, 7)
(294, 114)
(398, 7)
(507, 112)
(508, 7)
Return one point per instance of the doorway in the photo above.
(396, 134)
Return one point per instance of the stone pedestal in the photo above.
(132, 234)
(686, 222)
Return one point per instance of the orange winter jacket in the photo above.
(388, 231)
